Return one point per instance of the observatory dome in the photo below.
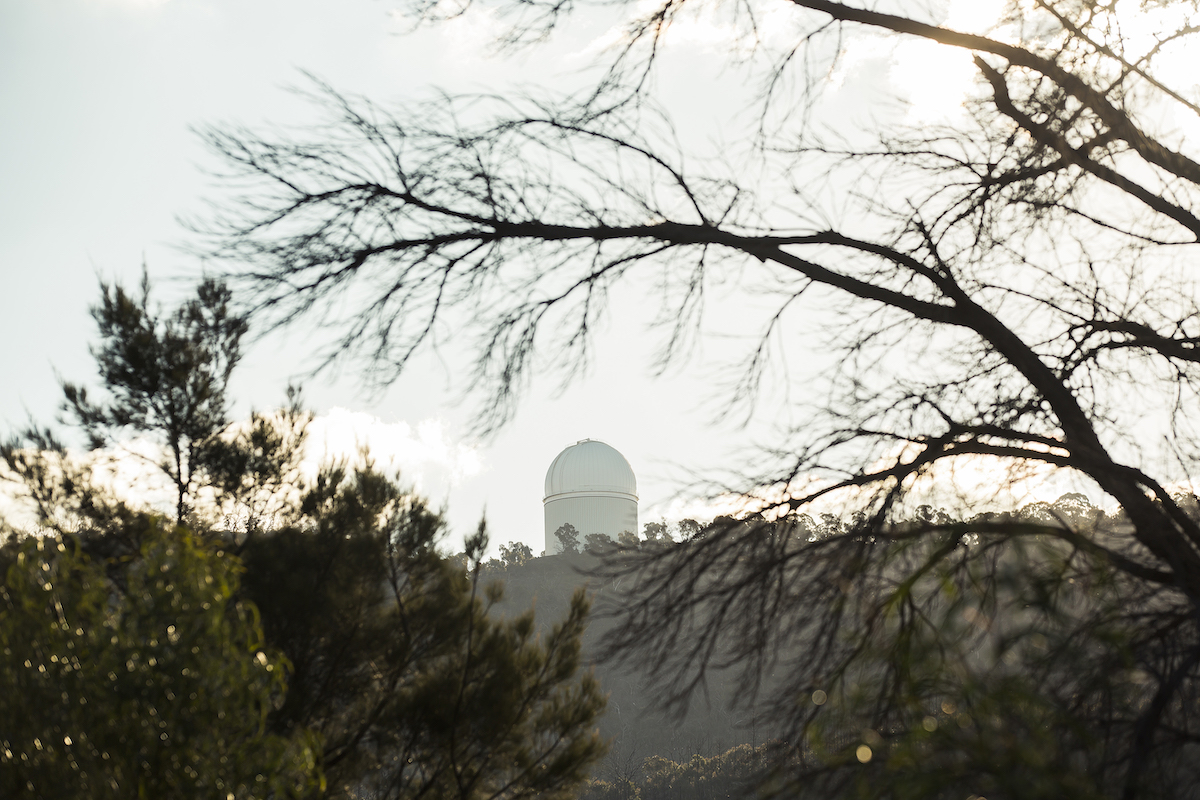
(590, 466)
(591, 487)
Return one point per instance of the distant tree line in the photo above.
(974, 713)
(735, 773)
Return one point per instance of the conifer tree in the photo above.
(165, 377)
(396, 667)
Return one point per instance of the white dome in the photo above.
(590, 467)
(590, 486)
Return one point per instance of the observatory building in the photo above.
(590, 486)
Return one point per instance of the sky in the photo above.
(99, 161)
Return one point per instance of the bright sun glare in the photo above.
(936, 79)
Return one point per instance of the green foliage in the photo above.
(415, 688)
(619, 789)
(251, 472)
(515, 554)
(1006, 739)
(400, 673)
(568, 538)
(732, 774)
(501, 712)
(60, 488)
(657, 532)
(321, 585)
(597, 544)
(139, 677)
(987, 670)
(165, 376)
(1006, 656)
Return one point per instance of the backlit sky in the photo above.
(98, 161)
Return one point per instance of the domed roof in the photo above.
(590, 466)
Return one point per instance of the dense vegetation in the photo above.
(281, 636)
(1007, 666)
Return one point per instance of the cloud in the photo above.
(426, 456)
(934, 79)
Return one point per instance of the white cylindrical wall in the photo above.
(589, 514)
(591, 487)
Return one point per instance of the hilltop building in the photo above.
(591, 487)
